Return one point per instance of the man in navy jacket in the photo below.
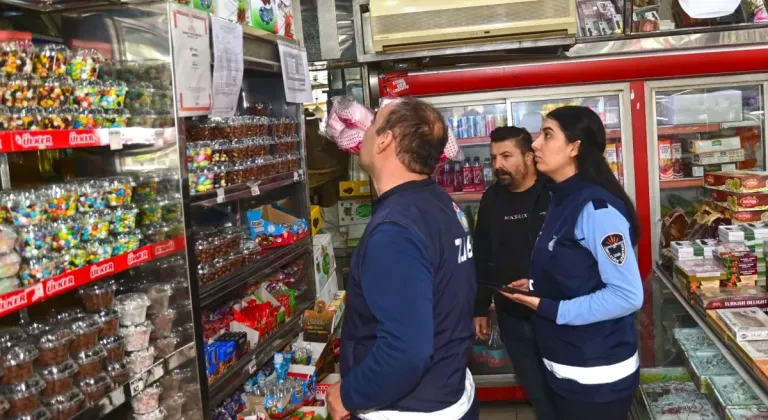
(410, 295)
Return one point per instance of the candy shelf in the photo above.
(46, 289)
(249, 189)
(115, 138)
(267, 262)
(238, 373)
(464, 197)
(681, 183)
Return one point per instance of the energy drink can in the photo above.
(490, 124)
(452, 126)
(471, 128)
(462, 124)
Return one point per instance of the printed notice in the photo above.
(293, 61)
(190, 34)
(227, 66)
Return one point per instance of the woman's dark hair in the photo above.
(582, 123)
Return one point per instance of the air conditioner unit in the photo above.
(400, 25)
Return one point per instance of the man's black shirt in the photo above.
(508, 224)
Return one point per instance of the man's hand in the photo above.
(335, 406)
(481, 327)
(519, 284)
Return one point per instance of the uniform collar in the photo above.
(405, 186)
(561, 190)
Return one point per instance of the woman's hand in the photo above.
(529, 301)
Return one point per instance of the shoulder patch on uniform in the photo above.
(599, 203)
(615, 248)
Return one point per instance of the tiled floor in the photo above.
(506, 411)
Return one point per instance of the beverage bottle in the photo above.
(477, 175)
(468, 179)
(457, 177)
(496, 351)
(447, 181)
(487, 172)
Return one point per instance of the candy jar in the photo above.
(221, 151)
(87, 93)
(34, 240)
(8, 238)
(123, 219)
(126, 242)
(142, 118)
(85, 65)
(164, 118)
(65, 234)
(162, 99)
(153, 233)
(171, 208)
(87, 119)
(200, 182)
(110, 70)
(29, 118)
(132, 308)
(5, 116)
(9, 264)
(56, 118)
(45, 267)
(119, 191)
(199, 155)
(62, 200)
(147, 185)
(16, 57)
(75, 257)
(21, 90)
(150, 212)
(95, 225)
(27, 207)
(51, 60)
(93, 196)
(98, 251)
(116, 118)
(140, 96)
(113, 94)
(55, 92)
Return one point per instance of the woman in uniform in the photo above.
(584, 281)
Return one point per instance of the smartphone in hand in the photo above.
(504, 288)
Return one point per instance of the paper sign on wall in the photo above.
(227, 66)
(293, 61)
(190, 33)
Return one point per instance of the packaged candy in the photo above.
(159, 297)
(140, 96)
(85, 65)
(56, 92)
(16, 57)
(110, 319)
(26, 207)
(85, 330)
(147, 400)
(23, 397)
(62, 200)
(51, 60)
(75, 257)
(7, 239)
(62, 315)
(90, 361)
(150, 212)
(9, 264)
(93, 196)
(162, 323)
(63, 406)
(53, 345)
(140, 361)
(165, 345)
(35, 240)
(136, 336)
(123, 219)
(98, 296)
(170, 208)
(110, 70)
(158, 414)
(173, 404)
(115, 347)
(9, 284)
(95, 388)
(21, 90)
(98, 250)
(132, 308)
(16, 361)
(118, 372)
(5, 113)
(59, 378)
(162, 99)
(95, 225)
(65, 234)
(57, 119)
(222, 150)
(199, 155)
(87, 93)
(29, 118)
(116, 118)
(142, 118)
(125, 242)
(146, 186)
(87, 119)
(200, 181)
(113, 94)
(119, 191)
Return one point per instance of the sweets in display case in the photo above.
(745, 324)
(738, 181)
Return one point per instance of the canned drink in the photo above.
(461, 128)
(481, 127)
(490, 124)
(471, 128)
(501, 121)
(452, 126)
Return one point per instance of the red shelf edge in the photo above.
(681, 183)
(46, 289)
(32, 140)
(473, 141)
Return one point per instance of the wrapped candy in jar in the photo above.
(87, 119)
(156, 232)
(51, 60)
(162, 322)
(35, 241)
(99, 250)
(87, 93)
(85, 65)
(95, 225)
(113, 94)
(126, 242)
(65, 234)
(21, 90)
(63, 406)
(7, 238)
(119, 191)
(5, 113)
(200, 182)
(55, 92)
(171, 208)
(140, 96)
(118, 372)
(115, 346)
(224, 129)
(16, 360)
(169, 182)
(92, 196)
(63, 315)
(147, 400)
(175, 229)
(116, 118)
(199, 155)
(9, 284)
(146, 186)
(221, 151)
(23, 397)
(9, 264)
(165, 345)
(132, 308)
(16, 57)
(261, 146)
(95, 388)
(262, 126)
(198, 130)
(98, 296)
(29, 118)
(140, 361)
(59, 378)
(90, 362)
(62, 200)
(57, 119)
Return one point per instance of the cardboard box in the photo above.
(315, 219)
(330, 289)
(355, 189)
(322, 386)
(738, 181)
(718, 157)
(714, 145)
(355, 212)
(267, 225)
(324, 260)
(321, 321)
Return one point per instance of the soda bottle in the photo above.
(477, 175)
(487, 172)
(496, 351)
(447, 181)
(457, 177)
(468, 179)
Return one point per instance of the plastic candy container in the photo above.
(16, 57)
(221, 151)
(159, 297)
(65, 234)
(140, 361)
(57, 119)
(132, 308)
(17, 362)
(200, 182)
(142, 118)
(59, 378)
(44, 267)
(87, 93)
(126, 242)
(113, 94)
(172, 404)
(123, 219)
(153, 233)
(147, 186)
(85, 65)
(35, 240)
(171, 208)
(92, 196)
(63, 406)
(166, 345)
(118, 372)
(162, 99)
(5, 113)
(158, 414)
(116, 118)
(62, 200)
(199, 155)
(26, 207)
(140, 96)
(24, 397)
(90, 362)
(55, 92)
(162, 323)
(9, 264)
(95, 388)
(150, 212)
(86, 332)
(87, 119)
(110, 319)
(53, 345)
(137, 336)
(110, 70)
(119, 191)
(115, 346)
(7, 239)
(28, 118)
(147, 400)
(95, 225)
(62, 315)
(21, 90)
(98, 251)
(51, 60)
(98, 296)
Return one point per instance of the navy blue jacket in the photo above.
(410, 296)
(585, 272)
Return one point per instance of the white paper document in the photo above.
(227, 66)
(293, 61)
(190, 34)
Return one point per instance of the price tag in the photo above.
(254, 188)
(220, 195)
(115, 140)
(137, 385)
(295, 177)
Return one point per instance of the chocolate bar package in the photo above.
(745, 324)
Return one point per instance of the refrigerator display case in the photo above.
(706, 150)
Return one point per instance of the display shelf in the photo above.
(464, 197)
(46, 289)
(671, 130)
(727, 347)
(681, 183)
(115, 138)
(470, 141)
(238, 373)
(249, 189)
(272, 259)
(124, 392)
